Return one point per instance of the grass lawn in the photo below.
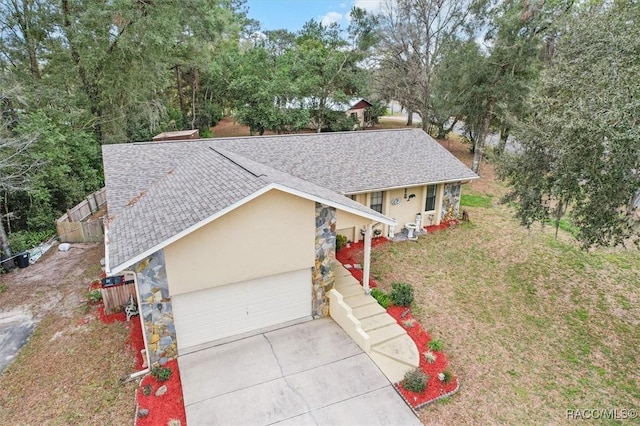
(533, 326)
(69, 371)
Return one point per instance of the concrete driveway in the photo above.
(306, 374)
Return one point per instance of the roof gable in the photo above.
(158, 193)
(361, 104)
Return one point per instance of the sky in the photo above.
(292, 14)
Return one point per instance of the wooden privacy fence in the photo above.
(117, 296)
(73, 226)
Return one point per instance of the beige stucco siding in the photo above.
(405, 209)
(349, 225)
(271, 234)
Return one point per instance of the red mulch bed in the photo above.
(435, 388)
(354, 254)
(162, 409)
(170, 406)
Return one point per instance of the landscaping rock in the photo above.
(143, 412)
(162, 390)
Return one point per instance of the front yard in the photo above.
(532, 326)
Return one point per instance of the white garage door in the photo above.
(208, 315)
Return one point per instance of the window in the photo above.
(376, 201)
(431, 198)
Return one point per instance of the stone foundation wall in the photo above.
(323, 276)
(155, 308)
(450, 201)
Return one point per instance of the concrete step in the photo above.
(345, 281)
(366, 311)
(392, 369)
(401, 349)
(359, 300)
(341, 271)
(350, 290)
(381, 335)
(377, 321)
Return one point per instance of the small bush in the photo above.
(382, 297)
(446, 376)
(415, 380)
(401, 294)
(436, 345)
(430, 357)
(94, 296)
(161, 373)
(341, 241)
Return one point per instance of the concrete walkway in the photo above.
(391, 348)
(306, 374)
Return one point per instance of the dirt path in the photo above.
(58, 280)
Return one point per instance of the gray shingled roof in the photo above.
(158, 190)
(351, 162)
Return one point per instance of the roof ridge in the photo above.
(287, 135)
(309, 135)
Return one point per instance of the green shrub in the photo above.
(446, 377)
(382, 297)
(436, 345)
(94, 296)
(401, 294)
(341, 241)
(161, 373)
(415, 380)
(25, 240)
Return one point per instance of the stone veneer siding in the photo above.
(155, 308)
(450, 201)
(323, 276)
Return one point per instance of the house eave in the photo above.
(413, 185)
(127, 264)
(382, 219)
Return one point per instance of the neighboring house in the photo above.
(360, 113)
(358, 109)
(227, 236)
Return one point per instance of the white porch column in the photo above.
(367, 259)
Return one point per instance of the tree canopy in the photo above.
(581, 142)
(560, 78)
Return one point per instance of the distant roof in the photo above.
(177, 135)
(361, 103)
(158, 191)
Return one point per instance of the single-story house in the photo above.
(227, 236)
